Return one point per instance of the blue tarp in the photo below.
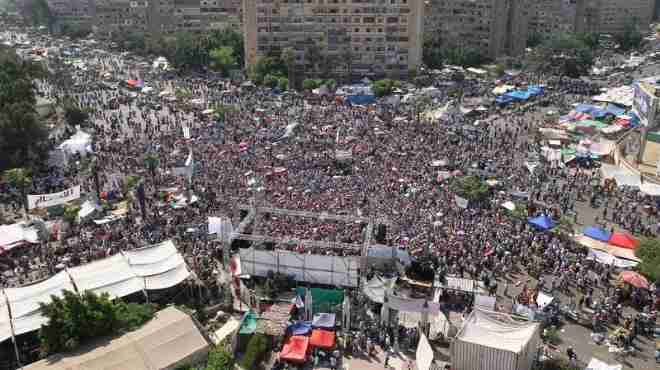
(518, 95)
(615, 110)
(597, 233)
(535, 90)
(591, 110)
(503, 100)
(300, 328)
(361, 99)
(542, 222)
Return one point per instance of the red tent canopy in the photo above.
(132, 82)
(623, 240)
(295, 349)
(322, 338)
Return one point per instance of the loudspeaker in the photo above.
(381, 232)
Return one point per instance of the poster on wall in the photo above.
(53, 199)
(644, 104)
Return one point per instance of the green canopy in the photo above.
(249, 323)
(323, 300)
(591, 123)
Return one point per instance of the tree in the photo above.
(151, 161)
(534, 39)
(631, 37)
(649, 252)
(23, 138)
(432, 52)
(289, 59)
(223, 59)
(71, 213)
(256, 349)
(271, 81)
(75, 319)
(312, 53)
(21, 179)
(384, 87)
(73, 114)
(220, 359)
(469, 187)
(311, 84)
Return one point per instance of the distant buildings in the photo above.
(362, 37)
(610, 16)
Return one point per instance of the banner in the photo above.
(54, 199)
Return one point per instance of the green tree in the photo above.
(631, 37)
(310, 84)
(282, 84)
(256, 350)
(384, 87)
(271, 81)
(71, 213)
(73, 115)
(220, 359)
(432, 52)
(534, 39)
(75, 319)
(151, 162)
(289, 59)
(223, 59)
(469, 187)
(649, 252)
(21, 179)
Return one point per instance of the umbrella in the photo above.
(634, 279)
(624, 241)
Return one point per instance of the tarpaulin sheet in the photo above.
(322, 339)
(323, 299)
(542, 222)
(249, 323)
(300, 328)
(112, 275)
(161, 265)
(16, 234)
(593, 110)
(375, 288)
(412, 305)
(24, 301)
(324, 320)
(384, 251)
(295, 349)
(597, 233)
(623, 240)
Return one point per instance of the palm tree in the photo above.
(92, 169)
(20, 178)
(289, 58)
(151, 161)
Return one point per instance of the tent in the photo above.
(300, 328)
(623, 240)
(80, 143)
(324, 320)
(295, 349)
(592, 110)
(17, 234)
(542, 222)
(323, 300)
(322, 339)
(495, 341)
(170, 340)
(595, 364)
(597, 233)
(375, 288)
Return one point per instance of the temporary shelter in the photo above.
(634, 279)
(623, 240)
(295, 349)
(168, 341)
(542, 222)
(494, 341)
(17, 234)
(322, 339)
(80, 143)
(597, 233)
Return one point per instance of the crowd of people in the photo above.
(281, 149)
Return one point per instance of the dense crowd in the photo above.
(283, 146)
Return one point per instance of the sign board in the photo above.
(644, 104)
(54, 199)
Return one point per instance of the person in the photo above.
(572, 356)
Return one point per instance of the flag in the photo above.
(299, 302)
(186, 132)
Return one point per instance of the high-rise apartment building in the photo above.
(195, 15)
(610, 16)
(121, 16)
(363, 37)
(494, 27)
(76, 12)
(556, 16)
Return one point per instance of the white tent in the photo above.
(596, 364)
(17, 234)
(424, 353)
(111, 275)
(161, 265)
(494, 341)
(24, 301)
(80, 142)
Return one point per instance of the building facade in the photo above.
(358, 37)
(495, 27)
(556, 16)
(610, 16)
(76, 12)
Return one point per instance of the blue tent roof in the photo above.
(615, 110)
(361, 99)
(597, 233)
(542, 222)
(592, 110)
(300, 328)
(518, 95)
(535, 90)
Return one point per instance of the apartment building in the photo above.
(610, 16)
(78, 12)
(361, 37)
(196, 15)
(556, 16)
(495, 27)
(121, 16)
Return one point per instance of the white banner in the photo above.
(54, 199)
